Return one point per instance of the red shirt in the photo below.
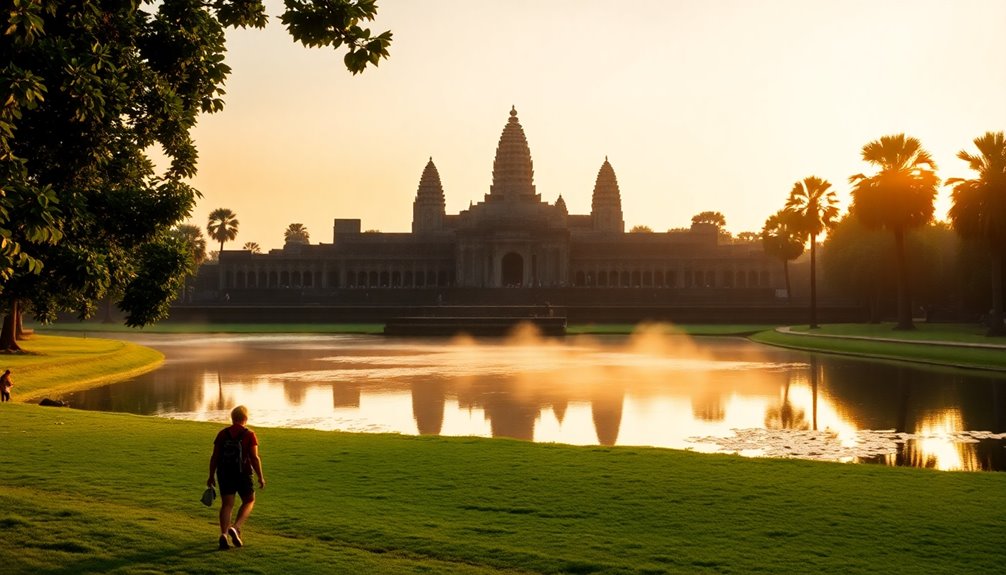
(247, 441)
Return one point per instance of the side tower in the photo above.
(429, 207)
(606, 206)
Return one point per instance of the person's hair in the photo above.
(239, 414)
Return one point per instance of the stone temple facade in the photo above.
(511, 239)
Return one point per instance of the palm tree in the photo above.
(979, 211)
(296, 234)
(781, 239)
(193, 236)
(814, 207)
(222, 226)
(253, 247)
(897, 198)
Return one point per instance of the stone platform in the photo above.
(475, 326)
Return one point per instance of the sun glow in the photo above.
(705, 81)
(939, 445)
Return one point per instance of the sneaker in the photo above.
(223, 543)
(235, 537)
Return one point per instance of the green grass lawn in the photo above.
(91, 492)
(671, 329)
(52, 364)
(954, 332)
(954, 356)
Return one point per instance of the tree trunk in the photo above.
(813, 282)
(785, 272)
(814, 368)
(873, 303)
(904, 292)
(901, 425)
(20, 333)
(108, 311)
(8, 335)
(996, 327)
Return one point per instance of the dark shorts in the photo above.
(240, 484)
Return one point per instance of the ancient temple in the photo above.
(511, 239)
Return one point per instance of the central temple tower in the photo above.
(513, 238)
(513, 172)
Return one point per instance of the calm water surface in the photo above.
(705, 394)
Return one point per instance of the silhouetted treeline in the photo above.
(950, 277)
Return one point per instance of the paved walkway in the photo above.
(1002, 346)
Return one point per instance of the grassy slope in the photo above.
(90, 492)
(991, 359)
(61, 364)
(953, 332)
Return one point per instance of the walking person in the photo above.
(235, 457)
(5, 384)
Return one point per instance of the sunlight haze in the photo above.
(698, 105)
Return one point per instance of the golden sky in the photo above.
(699, 105)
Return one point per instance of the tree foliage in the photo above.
(252, 247)
(641, 229)
(715, 218)
(336, 23)
(222, 225)
(897, 198)
(979, 211)
(87, 88)
(297, 234)
(814, 207)
(859, 264)
(781, 239)
(194, 239)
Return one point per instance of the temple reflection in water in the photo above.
(664, 391)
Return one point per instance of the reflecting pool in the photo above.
(705, 394)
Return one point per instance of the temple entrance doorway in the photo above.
(512, 273)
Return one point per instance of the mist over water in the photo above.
(655, 387)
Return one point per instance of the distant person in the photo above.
(5, 384)
(235, 456)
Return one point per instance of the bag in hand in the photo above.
(208, 496)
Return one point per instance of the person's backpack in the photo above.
(231, 459)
